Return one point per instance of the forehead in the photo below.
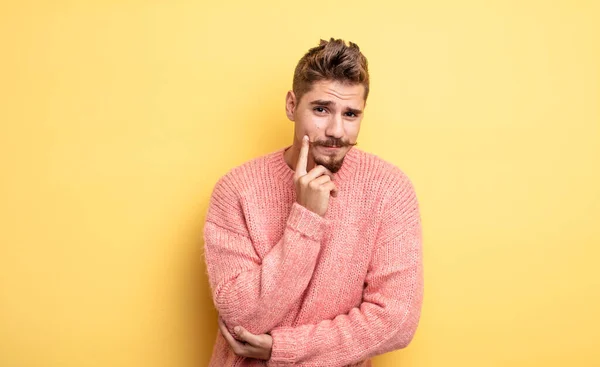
(339, 93)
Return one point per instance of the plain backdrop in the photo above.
(118, 117)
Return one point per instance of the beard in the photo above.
(331, 163)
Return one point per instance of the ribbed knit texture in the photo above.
(332, 291)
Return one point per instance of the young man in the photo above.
(314, 251)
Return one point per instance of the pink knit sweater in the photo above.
(331, 291)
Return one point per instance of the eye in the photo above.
(350, 114)
(319, 109)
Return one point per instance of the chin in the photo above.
(331, 163)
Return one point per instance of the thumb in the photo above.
(245, 335)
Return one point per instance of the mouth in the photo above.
(330, 148)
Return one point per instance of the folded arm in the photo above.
(387, 318)
(247, 290)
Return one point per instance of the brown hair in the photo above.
(331, 60)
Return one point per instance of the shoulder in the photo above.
(225, 206)
(387, 174)
(242, 177)
(391, 185)
(398, 205)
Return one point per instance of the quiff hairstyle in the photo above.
(331, 60)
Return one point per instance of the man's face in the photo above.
(330, 114)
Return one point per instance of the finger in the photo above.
(320, 181)
(228, 336)
(247, 336)
(237, 347)
(325, 179)
(318, 171)
(302, 158)
(230, 339)
(331, 187)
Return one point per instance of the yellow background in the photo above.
(118, 117)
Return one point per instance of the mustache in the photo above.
(333, 142)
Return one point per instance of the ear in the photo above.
(290, 104)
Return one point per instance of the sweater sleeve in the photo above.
(248, 290)
(389, 314)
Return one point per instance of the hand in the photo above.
(252, 346)
(313, 188)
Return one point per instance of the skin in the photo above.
(337, 123)
(329, 114)
(250, 346)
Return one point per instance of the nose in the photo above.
(335, 128)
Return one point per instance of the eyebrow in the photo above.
(322, 102)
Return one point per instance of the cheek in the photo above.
(310, 124)
(353, 129)
(319, 123)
